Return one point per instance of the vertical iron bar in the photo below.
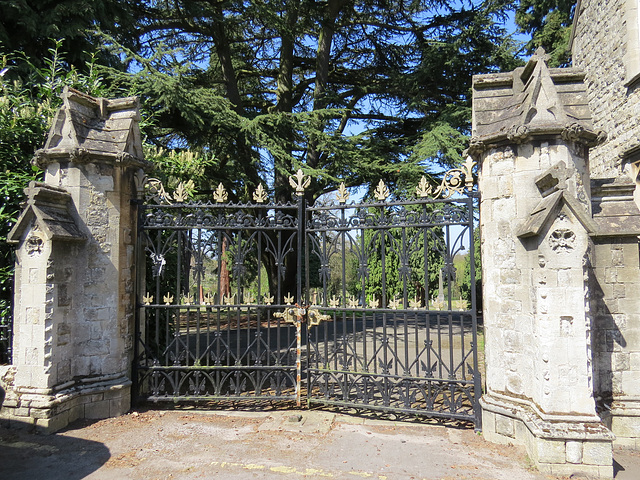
(301, 238)
(363, 266)
(477, 381)
(198, 294)
(385, 339)
(138, 260)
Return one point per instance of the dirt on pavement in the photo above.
(289, 444)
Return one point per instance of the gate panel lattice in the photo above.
(342, 304)
(389, 344)
(202, 335)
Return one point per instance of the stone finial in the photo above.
(48, 209)
(516, 107)
(86, 127)
(540, 55)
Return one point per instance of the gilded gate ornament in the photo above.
(268, 300)
(220, 194)
(183, 191)
(260, 195)
(374, 302)
(382, 191)
(453, 181)
(342, 194)
(395, 303)
(187, 299)
(334, 302)
(299, 182)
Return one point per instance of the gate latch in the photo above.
(298, 315)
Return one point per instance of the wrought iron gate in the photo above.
(334, 304)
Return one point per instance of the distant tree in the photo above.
(346, 89)
(27, 27)
(549, 24)
(466, 285)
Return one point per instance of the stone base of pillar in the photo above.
(557, 445)
(50, 410)
(624, 421)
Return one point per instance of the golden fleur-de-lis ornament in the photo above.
(220, 194)
(381, 192)
(395, 303)
(181, 193)
(268, 300)
(288, 300)
(374, 302)
(423, 189)
(260, 195)
(299, 182)
(167, 299)
(415, 303)
(147, 299)
(334, 302)
(342, 194)
(208, 299)
(187, 299)
(353, 302)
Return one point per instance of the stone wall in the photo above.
(606, 45)
(600, 48)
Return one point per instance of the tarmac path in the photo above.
(274, 444)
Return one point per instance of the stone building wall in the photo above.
(606, 45)
(601, 46)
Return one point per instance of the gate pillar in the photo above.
(532, 130)
(74, 300)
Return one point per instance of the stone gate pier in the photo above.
(560, 269)
(74, 303)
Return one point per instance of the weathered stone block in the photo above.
(504, 426)
(597, 453)
(550, 451)
(574, 452)
(119, 406)
(98, 409)
(53, 424)
(625, 427)
(620, 361)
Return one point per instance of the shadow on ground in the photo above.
(27, 455)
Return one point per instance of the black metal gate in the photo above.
(341, 303)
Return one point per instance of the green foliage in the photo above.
(347, 90)
(549, 23)
(399, 280)
(187, 166)
(27, 26)
(466, 284)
